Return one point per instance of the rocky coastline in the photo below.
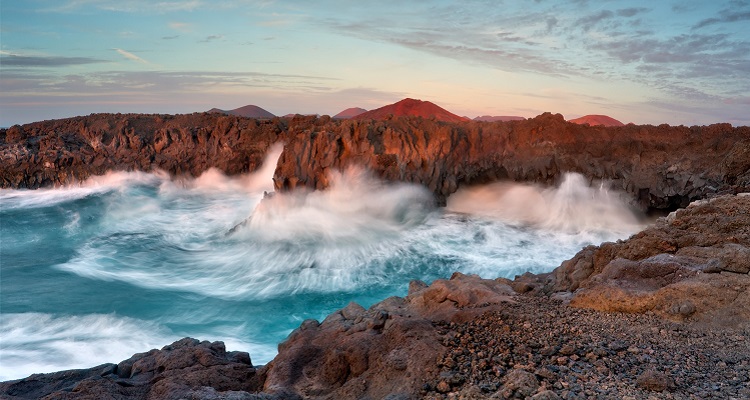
(663, 314)
(661, 167)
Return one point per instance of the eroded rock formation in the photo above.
(59, 152)
(662, 167)
(692, 265)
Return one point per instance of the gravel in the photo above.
(543, 349)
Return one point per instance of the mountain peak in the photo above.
(596, 119)
(349, 113)
(248, 111)
(413, 108)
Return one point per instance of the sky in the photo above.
(647, 62)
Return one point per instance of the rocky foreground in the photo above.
(664, 314)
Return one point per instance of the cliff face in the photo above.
(662, 167)
(63, 151)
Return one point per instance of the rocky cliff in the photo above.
(662, 167)
(58, 152)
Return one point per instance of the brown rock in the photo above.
(518, 384)
(654, 381)
(692, 264)
(173, 372)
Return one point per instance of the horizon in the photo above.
(640, 62)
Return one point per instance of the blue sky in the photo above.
(676, 62)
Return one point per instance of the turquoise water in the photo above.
(132, 261)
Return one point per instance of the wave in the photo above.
(573, 206)
(38, 343)
(209, 181)
(323, 241)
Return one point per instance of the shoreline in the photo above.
(684, 280)
(474, 338)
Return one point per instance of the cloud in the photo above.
(589, 21)
(20, 82)
(725, 17)
(130, 56)
(14, 60)
(129, 6)
(630, 12)
(170, 37)
(211, 38)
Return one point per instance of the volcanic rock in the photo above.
(177, 371)
(690, 265)
(597, 120)
(386, 350)
(660, 167)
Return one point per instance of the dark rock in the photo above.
(439, 155)
(665, 268)
(654, 381)
(518, 384)
(174, 372)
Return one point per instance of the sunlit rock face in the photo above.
(661, 167)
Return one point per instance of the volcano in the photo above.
(249, 111)
(412, 108)
(595, 120)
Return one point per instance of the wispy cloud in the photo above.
(130, 56)
(129, 6)
(727, 16)
(212, 38)
(14, 60)
(19, 82)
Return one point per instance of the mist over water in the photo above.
(571, 207)
(127, 262)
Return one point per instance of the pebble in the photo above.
(576, 353)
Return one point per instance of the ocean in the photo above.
(130, 261)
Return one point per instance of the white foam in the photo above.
(36, 343)
(572, 207)
(322, 241)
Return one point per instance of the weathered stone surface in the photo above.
(176, 371)
(387, 350)
(59, 152)
(661, 167)
(692, 264)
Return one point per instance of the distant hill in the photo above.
(249, 111)
(491, 118)
(292, 115)
(412, 108)
(595, 120)
(349, 113)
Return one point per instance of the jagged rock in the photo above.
(389, 349)
(692, 264)
(661, 167)
(176, 371)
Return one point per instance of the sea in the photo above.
(130, 261)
